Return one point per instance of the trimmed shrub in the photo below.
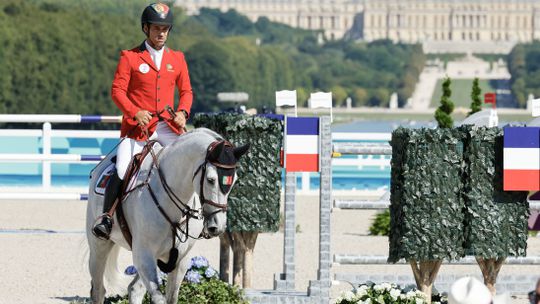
(254, 200)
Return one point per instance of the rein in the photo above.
(187, 211)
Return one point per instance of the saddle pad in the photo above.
(104, 179)
(136, 179)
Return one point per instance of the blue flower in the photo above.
(193, 276)
(130, 270)
(198, 262)
(210, 272)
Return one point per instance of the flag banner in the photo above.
(320, 100)
(302, 144)
(521, 159)
(286, 98)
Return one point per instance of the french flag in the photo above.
(521, 158)
(302, 144)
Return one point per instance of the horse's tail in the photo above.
(117, 281)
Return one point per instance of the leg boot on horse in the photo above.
(103, 226)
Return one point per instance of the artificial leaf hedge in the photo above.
(426, 205)
(447, 198)
(254, 200)
(496, 219)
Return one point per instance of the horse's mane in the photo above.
(197, 136)
(215, 135)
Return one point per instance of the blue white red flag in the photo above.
(302, 144)
(521, 158)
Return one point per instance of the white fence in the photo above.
(46, 157)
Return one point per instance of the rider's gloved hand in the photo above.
(143, 117)
(180, 119)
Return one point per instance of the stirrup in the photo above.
(103, 226)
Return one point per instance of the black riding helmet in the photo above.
(157, 13)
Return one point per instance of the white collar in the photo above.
(152, 50)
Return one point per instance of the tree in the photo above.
(442, 114)
(339, 95)
(476, 104)
(360, 97)
(209, 73)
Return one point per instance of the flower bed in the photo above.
(385, 293)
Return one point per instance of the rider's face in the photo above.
(157, 35)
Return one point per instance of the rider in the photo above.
(142, 88)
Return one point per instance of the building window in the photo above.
(333, 20)
(478, 36)
(463, 36)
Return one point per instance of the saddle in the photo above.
(134, 178)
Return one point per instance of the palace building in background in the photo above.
(481, 26)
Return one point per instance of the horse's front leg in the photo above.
(146, 265)
(174, 278)
(136, 290)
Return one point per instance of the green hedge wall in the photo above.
(496, 220)
(447, 198)
(254, 200)
(426, 205)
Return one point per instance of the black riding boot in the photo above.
(103, 226)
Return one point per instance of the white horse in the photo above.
(165, 213)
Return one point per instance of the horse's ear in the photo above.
(216, 151)
(239, 151)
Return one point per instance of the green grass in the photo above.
(461, 92)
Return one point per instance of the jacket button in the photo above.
(158, 99)
(158, 76)
(158, 88)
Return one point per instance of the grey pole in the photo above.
(286, 280)
(321, 287)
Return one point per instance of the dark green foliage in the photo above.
(447, 196)
(442, 114)
(524, 66)
(60, 56)
(212, 291)
(496, 219)
(476, 104)
(426, 205)
(381, 224)
(254, 200)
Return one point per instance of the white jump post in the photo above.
(46, 165)
(286, 280)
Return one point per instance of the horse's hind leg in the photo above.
(99, 251)
(136, 290)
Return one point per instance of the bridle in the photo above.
(187, 211)
(202, 169)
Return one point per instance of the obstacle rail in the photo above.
(46, 157)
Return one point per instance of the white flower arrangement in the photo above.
(385, 293)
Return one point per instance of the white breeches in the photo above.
(129, 147)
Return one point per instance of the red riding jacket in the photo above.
(138, 85)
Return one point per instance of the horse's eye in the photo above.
(211, 180)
